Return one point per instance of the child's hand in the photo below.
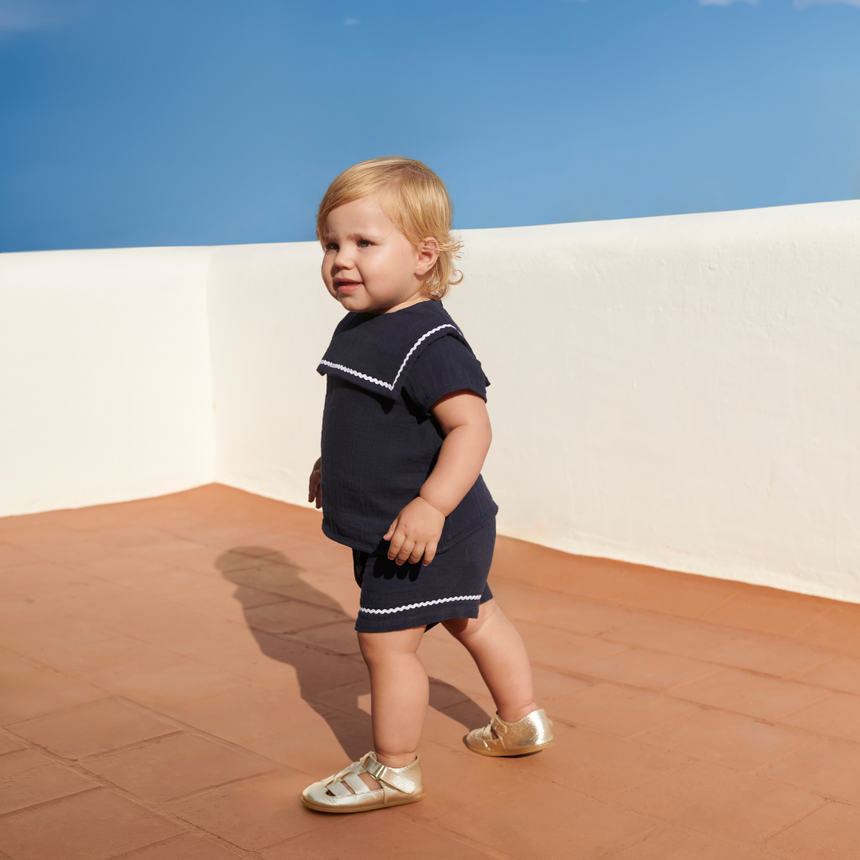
(315, 485)
(415, 532)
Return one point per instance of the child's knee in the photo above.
(464, 628)
(376, 646)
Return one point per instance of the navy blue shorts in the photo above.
(453, 585)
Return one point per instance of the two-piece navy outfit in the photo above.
(380, 443)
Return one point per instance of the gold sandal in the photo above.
(527, 735)
(348, 792)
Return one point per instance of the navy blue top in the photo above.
(379, 440)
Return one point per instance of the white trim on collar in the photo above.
(390, 386)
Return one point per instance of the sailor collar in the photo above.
(375, 351)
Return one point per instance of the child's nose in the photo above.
(343, 259)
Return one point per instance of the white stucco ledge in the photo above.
(681, 392)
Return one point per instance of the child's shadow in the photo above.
(330, 683)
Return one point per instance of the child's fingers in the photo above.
(429, 553)
(403, 553)
(396, 539)
(315, 485)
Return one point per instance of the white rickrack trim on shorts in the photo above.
(390, 386)
(419, 605)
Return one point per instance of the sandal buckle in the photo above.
(374, 767)
(385, 775)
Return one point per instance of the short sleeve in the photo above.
(445, 366)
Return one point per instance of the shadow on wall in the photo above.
(330, 682)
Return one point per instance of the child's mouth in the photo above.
(347, 286)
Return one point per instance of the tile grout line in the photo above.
(181, 728)
(823, 698)
(665, 691)
(115, 632)
(187, 728)
(154, 807)
(825, 611)
(198, 791)
(121, 749)
(620, 850)
(606, 636)
(619, 603)
(826, 798)
(808, 669)
(815, 737)
(228, 846)
(427, 824)
(774, 831)
(790, 676)
(759, 772)
(668, 722)
(727, 599)
(654, 820)
(52, 800)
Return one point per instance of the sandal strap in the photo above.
(356, 783)
(349, 776)
(384, 774)
(493, 734)
(337, 788)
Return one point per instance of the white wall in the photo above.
(681, 392)
(105, 377)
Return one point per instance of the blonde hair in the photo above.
(416, 201)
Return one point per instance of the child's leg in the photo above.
(498, 649)
(399, 694)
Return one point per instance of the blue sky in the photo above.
(184, 122)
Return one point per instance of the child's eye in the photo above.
(363, 243)
(331, 246)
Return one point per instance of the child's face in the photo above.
(369, 265)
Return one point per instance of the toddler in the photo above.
(405, 433)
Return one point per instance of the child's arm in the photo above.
(315, 484)
(416, 530)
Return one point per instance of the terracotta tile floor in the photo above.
(174, 671)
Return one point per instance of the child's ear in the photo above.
(428, 254)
